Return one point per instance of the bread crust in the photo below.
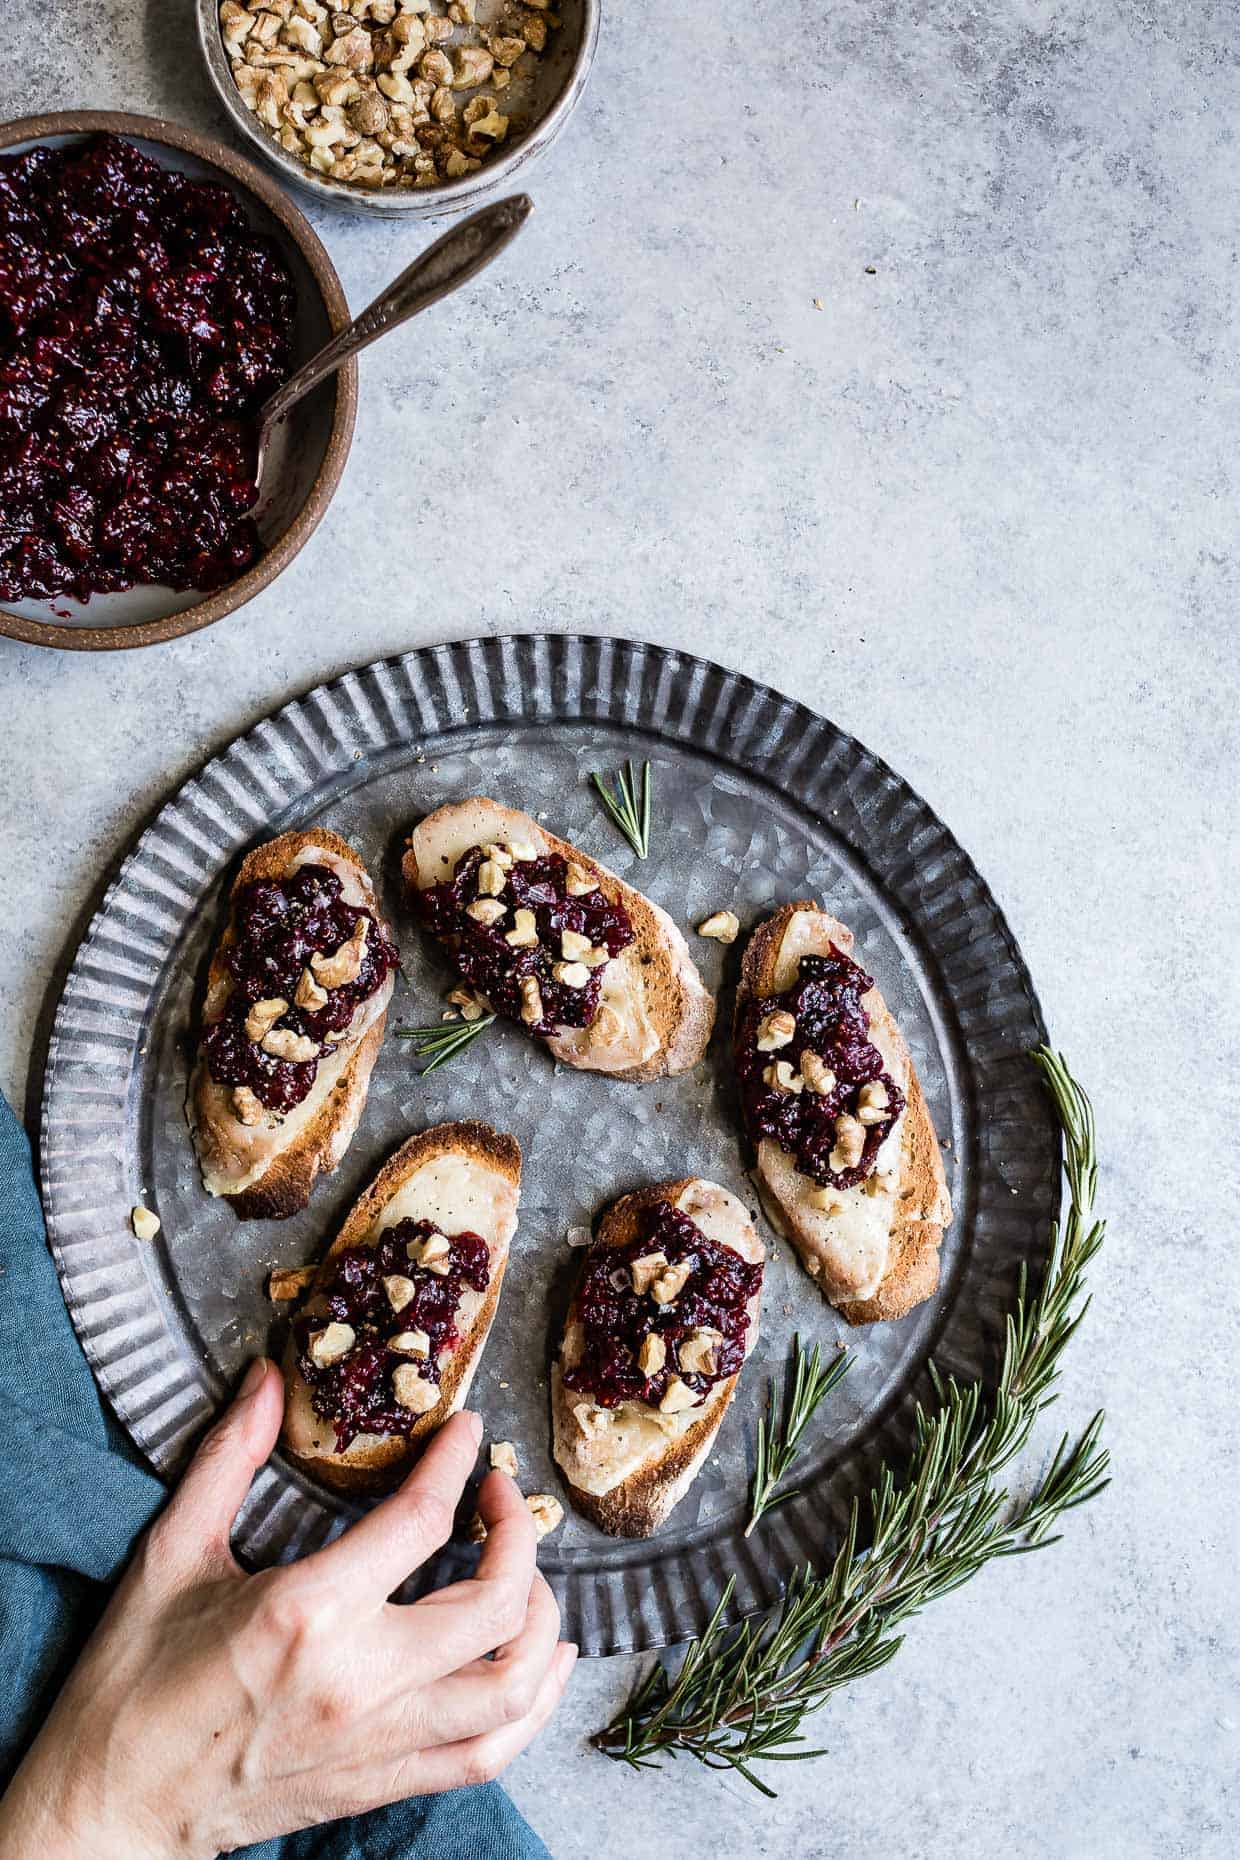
(680, 1006)
(285, 1186)
(376, 1463)
(922, 1204)
(639, 1503)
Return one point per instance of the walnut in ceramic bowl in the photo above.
(386, 94)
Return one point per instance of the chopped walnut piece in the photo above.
(824, 1200)
(605, 1028)
(487, 122)
(534, 31)
(399, 1290)
(412, 1390)
(265, 30)
(353, 50)
(486, 911)
(369, 114)
(398, 88)
(505, 51)
(721, 926)
(434, 1253)
(849, 1143)
(288, 1283)
(578, 882)
(297, 1048)
(235, 27)
(546, 1511)
(817, 1074)
(145, 1224)
(309, 994)
(436, 66)
(411, 1343)
(524, 932)
(645, 1271)
(503, 1457)
(247, 1105)
(677, 1396)
(775, 1030)
(474, 65)
(301, 33)
(780, 1077)
(531, 1000)
(652, 1355)
(346, 964)
(328, 1345)
(491, 878)
(873, 1103)
(667, 1288)
(699, 1351)
(570, 974)
(476, 1530)
(471, 1005)
(591, 1420)
(573, 946)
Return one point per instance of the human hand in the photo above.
(213, 1708)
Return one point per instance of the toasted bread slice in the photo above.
(464, 1178)
(661, 1010)
(627, 1472)
(267, 1170)
(876, 1255)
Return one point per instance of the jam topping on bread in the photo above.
(810, 1076)
(663, 1317)
(301, 962)
(383, 1324)
(531, 931)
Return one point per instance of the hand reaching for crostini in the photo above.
(213, 1708)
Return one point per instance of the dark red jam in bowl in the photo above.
(825, 1001)
(279, 924)
(616, 1320)
(493, 966)
(142, 323)
(355, 1394)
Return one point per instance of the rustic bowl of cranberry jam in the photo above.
(155, 288)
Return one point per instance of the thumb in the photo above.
(198, 1522)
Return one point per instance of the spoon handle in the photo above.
(451, 261)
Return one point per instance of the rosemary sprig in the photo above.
(628, 805)
(743, 1692)
(779, 1432)
(443, 1041)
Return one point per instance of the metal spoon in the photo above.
(451, 261)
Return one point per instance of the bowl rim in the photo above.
(251, 178)
(446, 197)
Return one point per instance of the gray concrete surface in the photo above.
(980, 507)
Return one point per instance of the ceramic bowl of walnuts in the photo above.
(418, 107)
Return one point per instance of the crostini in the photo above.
(848, 1163)
(558, 943)
(662, 1319)
(292, 1023)
(394, 1324)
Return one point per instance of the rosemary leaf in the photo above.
(443, 1041)
(628, 804)
(780, 1430)
(743, 1692)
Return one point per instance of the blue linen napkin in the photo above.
(74, 1495)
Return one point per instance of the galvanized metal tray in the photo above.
(757, 801)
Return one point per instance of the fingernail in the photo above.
(252, 1378)
(475, 1426)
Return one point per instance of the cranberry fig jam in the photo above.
(811, 1077)
(397, 1315)
(618, 1320)
(533, 935)
(285, 930)
(142, 324)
